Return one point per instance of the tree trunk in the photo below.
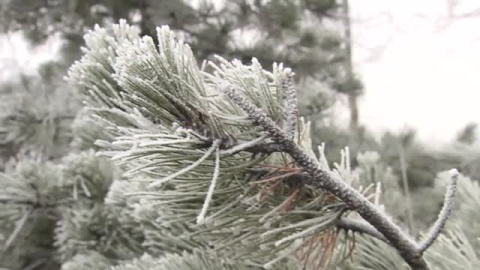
(352, 96)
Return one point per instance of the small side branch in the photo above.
(357, 226)
(27, 203)
(444, 214)
(243, 146)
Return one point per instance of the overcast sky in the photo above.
(418, 71)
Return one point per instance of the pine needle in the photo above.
(18, 228)
(211, 189)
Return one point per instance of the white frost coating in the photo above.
(453, 173)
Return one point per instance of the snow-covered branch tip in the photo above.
(444, 214)
(257, 115)
(291, 108)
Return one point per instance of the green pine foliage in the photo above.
(26, 207)
(194, 190)
(50, 213)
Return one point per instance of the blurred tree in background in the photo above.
(302, 34)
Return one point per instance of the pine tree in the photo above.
(36, 113)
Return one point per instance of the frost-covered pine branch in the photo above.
(405, 245)
(264, 197)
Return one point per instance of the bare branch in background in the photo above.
(453, 14)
